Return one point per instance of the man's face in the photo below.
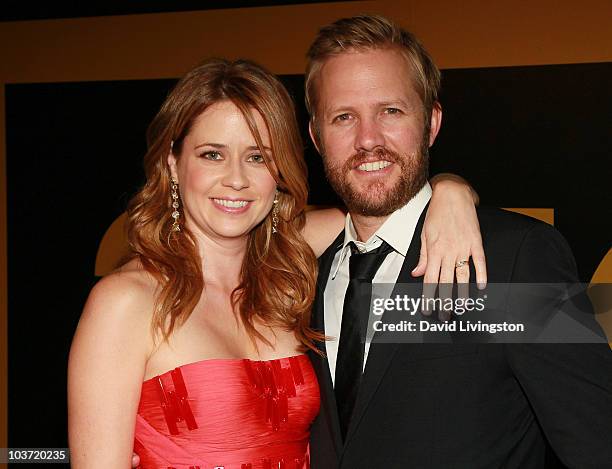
(371, 125)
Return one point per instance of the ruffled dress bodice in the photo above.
(228, 414)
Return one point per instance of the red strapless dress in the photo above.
(228, 414)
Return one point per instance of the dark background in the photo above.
(523, 136)
(17, 10)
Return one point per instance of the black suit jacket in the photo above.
(474, 405)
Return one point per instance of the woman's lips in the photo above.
(232, 205)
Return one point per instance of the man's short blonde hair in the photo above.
(366, 32)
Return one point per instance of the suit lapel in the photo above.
(381, 354)
(320, 364)
(325, 262)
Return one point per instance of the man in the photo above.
(372, 93)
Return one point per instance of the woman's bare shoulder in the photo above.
(116, 322)
(128, 292)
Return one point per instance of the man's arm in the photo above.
(569, 386)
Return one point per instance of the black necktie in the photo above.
(349, 363)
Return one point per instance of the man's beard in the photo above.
(374, 200)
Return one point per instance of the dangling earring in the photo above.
(175, 205)
(275, 213)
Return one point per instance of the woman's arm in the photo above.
(105, 373)
(451, 233)
(322, 227)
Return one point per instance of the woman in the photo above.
(218, 290)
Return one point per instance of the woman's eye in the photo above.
(212, 155)
(257, 158)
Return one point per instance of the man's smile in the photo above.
(374, 165)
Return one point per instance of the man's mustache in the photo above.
(380, 153)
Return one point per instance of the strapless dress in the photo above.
(228, 414)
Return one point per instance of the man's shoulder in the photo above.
(496, 223)
(498, 217)
(529, 248)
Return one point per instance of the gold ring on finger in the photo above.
(461, 263)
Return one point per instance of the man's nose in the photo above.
(369, 135)
(235, 175)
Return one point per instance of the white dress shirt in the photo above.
(397, 231)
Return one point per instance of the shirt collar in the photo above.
(394, 230)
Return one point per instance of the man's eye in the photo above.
(342, 117)
(212, 155)
(392, 110)
(257, 158)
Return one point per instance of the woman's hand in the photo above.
(451, 234)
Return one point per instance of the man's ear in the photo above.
(314, 136)
(172, 165)
(436, 122)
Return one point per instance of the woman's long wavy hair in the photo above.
(278, 275)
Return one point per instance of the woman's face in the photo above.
(225, 186)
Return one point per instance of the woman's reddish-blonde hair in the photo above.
(278, 275)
